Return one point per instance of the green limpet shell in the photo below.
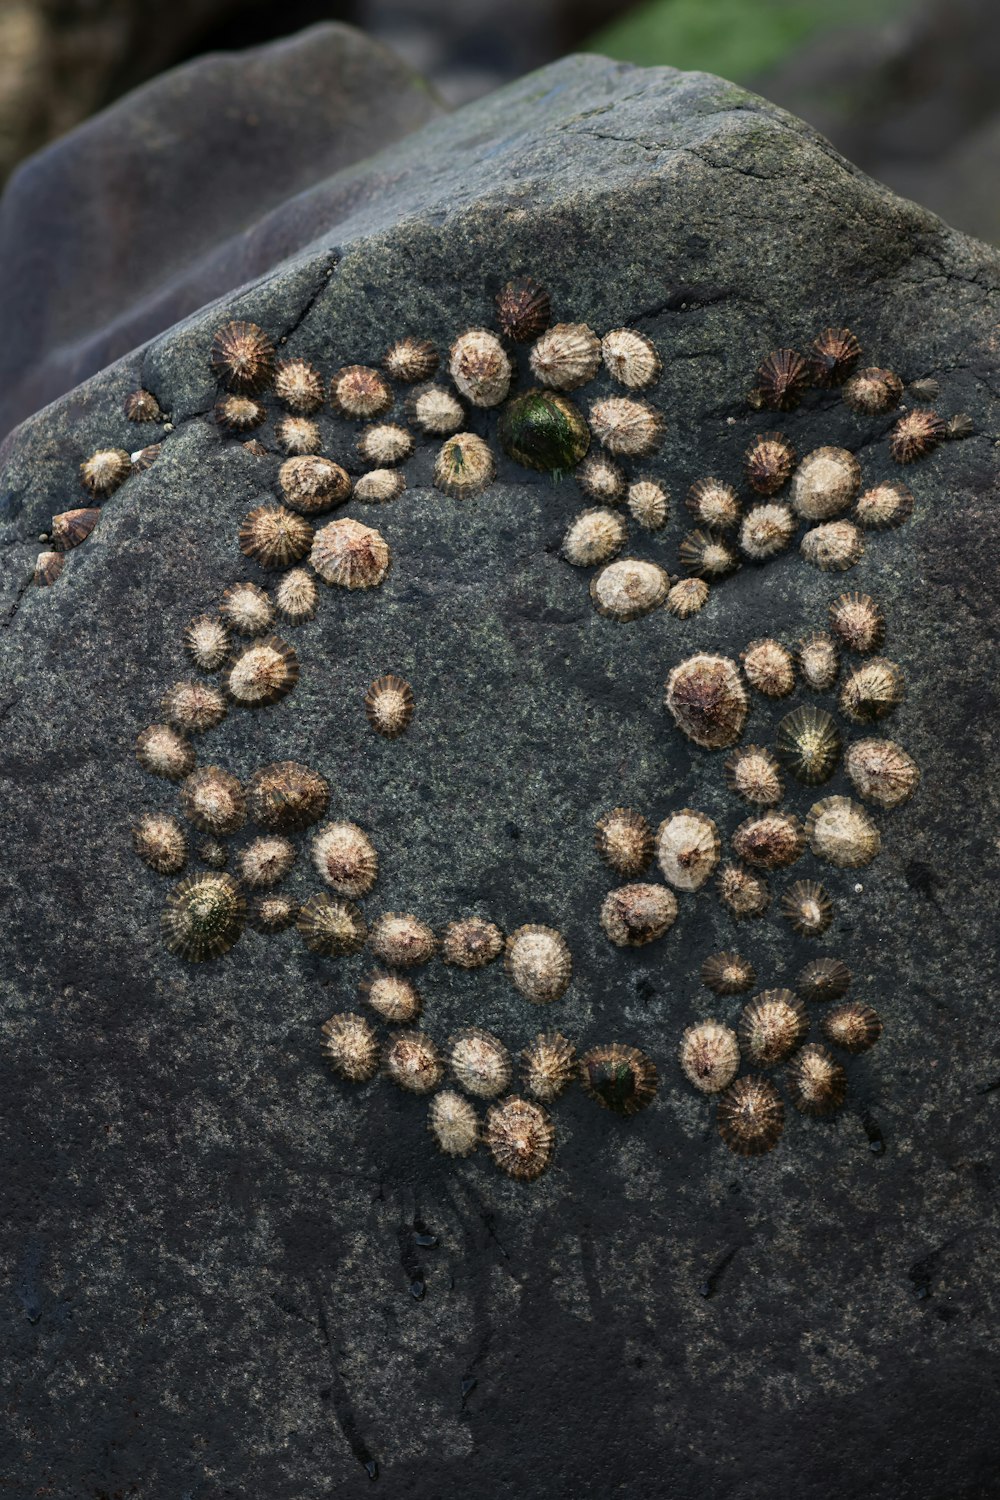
(544, 430)
(203, 917)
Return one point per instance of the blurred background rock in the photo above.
(905, 88)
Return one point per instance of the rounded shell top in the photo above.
(833, 356)
(389, 704)
(629, 588)
(296, 597)
(298, 435)
(630, 358)
(345, 858)
(885, 505)
(807, 908)
(413, 1061)
(872, 391)
(393, 996)
(160, 842)
(769, 461)
(299, 386)
(566, 356)
(520, 1138)
(263, 672)
(648, 504)
(236, 413)
(332, 927)
(782, 378)
(770, 841)
(727, 973)
(351, 1047)
(402, 940)
(753, 773)
(523, 309)
(410, 359)
(350, 555)
(767, 530)
(247, 608)
(686, 597)
(71, 527)
(471, 943)
(714, 504)
(622, 1079)
(287, 796)
(357, 391)
(881, 771)
(824, 979)
(193, 707)
(164, 751)
(769, 667)
(825, 484)
(203, 917)
(841, 832)
(464, 465)
(857, 622)
(385, 443)
(871, 691)
(706, 696)
(435, 410)
(213, 801)
(311, 484)
(624, 839)
(808, 743)
(207, 642)
(142, 406)
(544, 430)
(818, 661)
(630, 428)
(750, 1115)
(687, 848)
(274, 536)
(633, 915)
(915, 435)
(709, 1055)
(539, 963)
(773, 1024)
(266, 861)
(854, 1027)
(601, 479)
(242, 357)
(480, 367)
(453, 1123)
(742, 892)
(548, 1065)
(833, 547)
(480, 1062)
(594, 536)
(816, 1082)
(105, 470)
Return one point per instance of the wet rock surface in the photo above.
(231, 1273)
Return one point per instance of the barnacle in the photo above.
(203, 917)
(872, 391)
(299, 386)
(808, 744)
(142, 406)
(686, 597)
(824, 979)
(630, 358)
(413, 1061)
(766, 530)
(594, 536)
(207, 642)
(833, 356)
(634, 915)
(471, 943)
(346, 553)
(296, 596)
(480, 1062)
(742, 893)
(265, 861)
(330, 926)
(834, 547)
(887, 504)
(772, 1025)
(807, 908)
(311, 484)
(816, 1082)
(601, 479)
(880, 771)
(242, 357)
(239, 413)
(841, 832)
(160, 843)
(706, 696)
(410, 359)
(687, 848)
(769, 841)
(72, 527)
(105, 470)
(389, 704)
(464, 466)
(385, 443)
(214, 801)
(344, 857)
(350, 1046)
(379, 486)
(620, 1078)
(480, 367)
(523, 309)
(565, 356)
(275, 536)
(262, 673)
(825, 483)
(630, 428)
(915, 435)
(750, 1116)
(401, 940)
(538, 962)
(435, 410)
(707, 555)
(624, 839)
(193, 707)
(548, 1065)
(709, 1055)
(453, 1123)
(871, 691)
(520, 1138)
(768, 462)
(855, 1027)
(714, 505)
(753, 773)
(781, 379)
(544, 430)
(818, 661)
(298, 435)
(769, 668)
(727, 973)
(286, 797)
(163, 751)
(393, 996)
(247, 608)
(358, 391)
(628, 588)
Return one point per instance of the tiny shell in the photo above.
(959, 426)
(624, 840)
(620, 1078)
(265, 861)
(162, 751)
(357, 391)
(873, 391)
(207, 642)
(816, 1082)
(753, 773)
(142, 406)
(706, 696)
(413, 1061)
(247, 608)
(834, 547)
(709, 1055)
(262, 673)
(769, 667)
(331, 927)
(548, 1066)
(389, 704)
(630, 358)
(539, 963)
(628, 589)
(925, 389)
(480, 367)
(348, 554)
(742, 893)
(772, 1025)
(72, 527)
(464, 466)
(886, 505)
(769, 461)
(594, 536)
(833, 356)
(841, 832)
(686, 597)
(566, 356)
(782, 378)
(600, 478)
(714, 505)
(807, 908)
(161, 843)
(273, 912)
(48, 566)
(634, 915)
(544, 430)
(750, 1116)
(380, 486)
(630, 428)
(274, 536)
(915, 435)
(401, 940)
(193, 707)
(393, 996)
(145, 458)
(350, 1046)
(213, 801)
(252, 445)
(854, 1027)
(299, 386)
(203, 917)
(818, 661)
(871, 691)
(453, 1123)
(105, 470)
(384, 444)
(825, 484)
(471, 943)
(857, 622)
(296, 596)
(687, 849)
(520, 1138)
(707, 555)
(480, 1062)
(239, 413)
(311, 484)
(880, 771)
(286, 797)
(808, 742)
(727, 973)
(345, 858)
(435, 410)
(242, 357)
(770, 841)
(298, 435)
(523, 309)
(824, 979)
(410, 359)
(213, 852)
(767, 530)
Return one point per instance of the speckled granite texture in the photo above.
(212, 1243)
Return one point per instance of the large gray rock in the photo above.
(213, 1244)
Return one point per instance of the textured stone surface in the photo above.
(211, 1242)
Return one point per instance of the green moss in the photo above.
(544, 430)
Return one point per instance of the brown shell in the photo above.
(750, 1116)
(105, 470)
(807, 908)
(687, 848)
(203, 917)
(753, 773)
(566, 356)
(331, 926)
(261, 673)
(385, 443)
(296, 596)
(880, 771)
(782, 378)
(767, 530)
(465, 466)
(833, 547)
(770, 841)
(274, 536)
(401, 940)
(299, 386)
(242, 357)
(686, 597)
(193, 707)
(622, 1079)
(630, 358)
(435, 410)
(833, 356)
(72, 527)
(480, 367)
(634, 915)
(632, 429)
(772, 1025)
(769, 461)
(885, 505)
(350, 555)
(358, 391)
(471, 943)
(239, 413)
(706, 554)
(708, 701)
(393, 996)
(855, 1027)
(273, 912)
(480, 1062)
(769, 667)
(871, 691)
(350, 1046)
(453, 1123)
(743, 893)
(410, 359)
(146, 457)
(520, 1138)
(311, 483)
(539, 963)
(523, 309)
(872, 391)
(816, 1082)
(413, 1061)
(389, 704)
(629, 588)
(594, 536)
(915, 435)
(298, 435)
(379, 486)
(213, 852)
(857, 622)
(213, 801)
(714, 505)
(727, 973)
(624, 840)
(142, 406)
(286, 797)
(824, 979)
(161, 843)
(842, 833)
(163, 751)
(206, 640)
(344, 858)
(601, 479)
(709, 1055)
(648, 504)
(548, 1065)
(265, 861)
(826, 482)
(959, 426)
(247, 608)
(818, 661)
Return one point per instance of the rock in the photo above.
(215, 1243)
